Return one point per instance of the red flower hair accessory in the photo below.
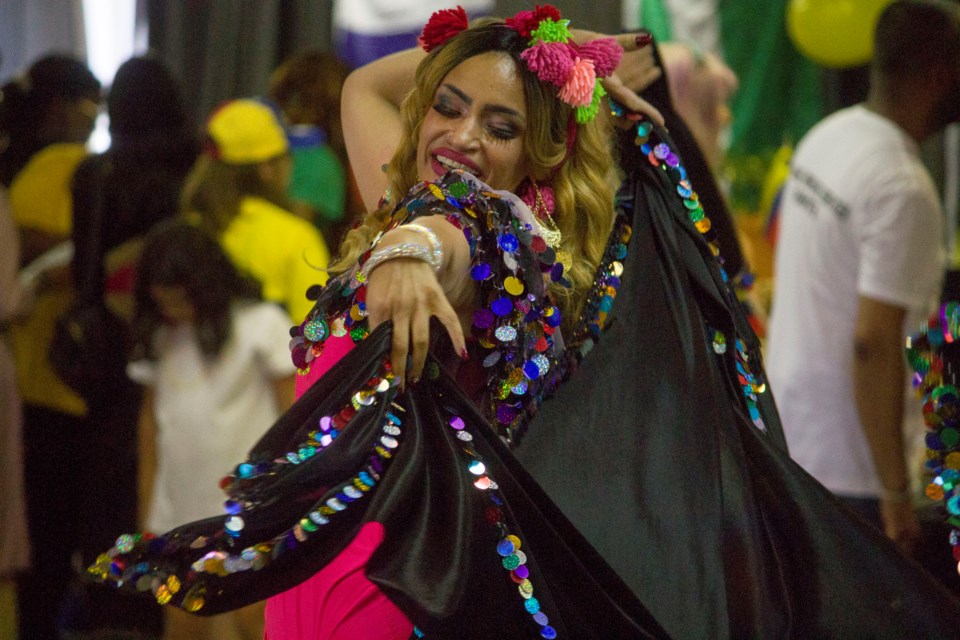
(442, 26)
(552, 55)
(526, 22)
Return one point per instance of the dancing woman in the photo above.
(390, 500)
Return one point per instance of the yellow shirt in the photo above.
(283, 252)
(40, 200)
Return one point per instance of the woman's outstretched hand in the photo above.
(408, 292)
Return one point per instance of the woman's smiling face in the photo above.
(477, 123)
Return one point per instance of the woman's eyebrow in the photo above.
(496, 108)
(460, 94)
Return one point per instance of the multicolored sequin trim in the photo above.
(751, 385)
(661, 156)
(187, 587)
(600, 300)
(508, 548)
(936, 382)
(516, 324)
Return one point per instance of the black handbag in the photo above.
(88, 348)
(84, 351)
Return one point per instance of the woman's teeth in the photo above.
(452, 164)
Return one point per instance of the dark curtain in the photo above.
(223, 49)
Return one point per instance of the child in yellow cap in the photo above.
(238, 188)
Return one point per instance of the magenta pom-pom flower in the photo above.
(551, 61)
(606, 54)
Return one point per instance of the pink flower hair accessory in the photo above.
(551, 54)
(605, 53)
(556, 59)
(551, 61)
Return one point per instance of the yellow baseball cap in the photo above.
(246, 131)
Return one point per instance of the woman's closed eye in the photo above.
(503, 131)
(445, 109)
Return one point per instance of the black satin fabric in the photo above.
(648, 504)
(700, 174)
(649, 451)
(439, 561)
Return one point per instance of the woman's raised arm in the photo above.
(370, 112)
(637, 71)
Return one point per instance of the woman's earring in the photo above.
(539, 198)
(541, 201)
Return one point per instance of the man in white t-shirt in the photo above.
(859, 263)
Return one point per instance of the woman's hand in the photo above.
(637, 71)
(407, 292)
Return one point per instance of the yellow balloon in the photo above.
(776, 175)
(834, 33)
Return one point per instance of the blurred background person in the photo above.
(860, 258)
(365, 30)
(45, 117)
(55, 101)
(117, 197)
(14, 541)
(701, 87)
(306, 88)
(238, 188)
(216, 364)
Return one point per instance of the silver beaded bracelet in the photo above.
(412, 250)
(430, 236)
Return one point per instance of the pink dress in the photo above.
(338, 602)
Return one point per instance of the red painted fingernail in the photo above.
(464, 354)
(643, 39)
(634, 117)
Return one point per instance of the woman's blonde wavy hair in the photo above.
(583, 179)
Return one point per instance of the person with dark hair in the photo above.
(859, 262)
(306, 88)
(56, 100)
(136, 183)
(215, 362)
(118, 196)
(46, 116)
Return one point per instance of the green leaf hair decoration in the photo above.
(550, 31)
(588, 113)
